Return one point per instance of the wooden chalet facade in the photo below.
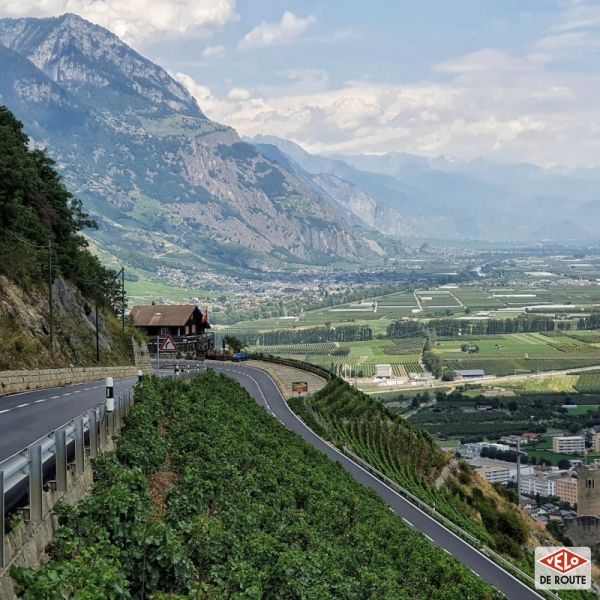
(184, 323)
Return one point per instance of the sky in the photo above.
(506, 80)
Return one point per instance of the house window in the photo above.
(187, 330)
(164, 331)
(193, 327)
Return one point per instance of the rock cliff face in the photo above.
(164, 182)
(25, 329)
(363, 206)
(334, 181)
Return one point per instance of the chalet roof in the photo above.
(170, 315)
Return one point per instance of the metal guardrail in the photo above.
(23, 472)
(447, 523)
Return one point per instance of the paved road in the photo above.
(26, 417)
(264, 390)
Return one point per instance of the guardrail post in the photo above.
(110, 418)
(102, 420)
(79, 447)
(93, 431)
(119, 413)
(60, 456)
(35, 482)
(2, 547)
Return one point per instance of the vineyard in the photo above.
(319, 348)
(508, 366)
(208, 497)
(588, 383)
(358, 359)
(404, 346)
(409, 456)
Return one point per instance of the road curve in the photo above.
(265, 391)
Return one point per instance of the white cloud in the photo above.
(493, 104)
(135, 21)
(213, 52)
(237, 93)
(283, 33)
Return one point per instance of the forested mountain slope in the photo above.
(167, 185)
(40, 241)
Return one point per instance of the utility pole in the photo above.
(50, 299)
(157, 356)
(519, 469)
(97, 335)
(123, 295)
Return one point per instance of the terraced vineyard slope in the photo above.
(208, 496)
(410, 456)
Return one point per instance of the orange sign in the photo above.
(299, 387)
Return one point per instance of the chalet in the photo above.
(185, 323)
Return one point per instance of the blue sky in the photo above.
(501, 79)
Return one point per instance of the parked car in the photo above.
(239, 357)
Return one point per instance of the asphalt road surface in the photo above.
(28, 416)
(264, 390)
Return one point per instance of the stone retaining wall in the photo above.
(26, 543)
(12, 382)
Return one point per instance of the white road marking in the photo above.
(23, 405)
(5, 410)
(67, 394)
(407, 522)
(42, 400)
(52, 397)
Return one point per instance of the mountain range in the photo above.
(170, 187)
(166, 184)
(450, 199)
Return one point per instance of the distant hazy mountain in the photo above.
(445, 198)
(357, 205)
(166, 184)
(505, 201)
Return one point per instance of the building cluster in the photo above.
(554, 493)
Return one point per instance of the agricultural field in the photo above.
(518, 353)
(553, 384)
(588, 383)
(357, 359)
(469, 301)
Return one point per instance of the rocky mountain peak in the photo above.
(96, 66)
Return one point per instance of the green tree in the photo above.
(233, 343)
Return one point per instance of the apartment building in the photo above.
(566, 490)
(536, 484)
(568, 444)
(495, 474)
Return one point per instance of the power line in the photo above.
(43, 248)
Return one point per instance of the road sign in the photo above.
(299, 387)
(168, 345)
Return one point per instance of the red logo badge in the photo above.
(563, 560)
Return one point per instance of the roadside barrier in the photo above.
(47, 462)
